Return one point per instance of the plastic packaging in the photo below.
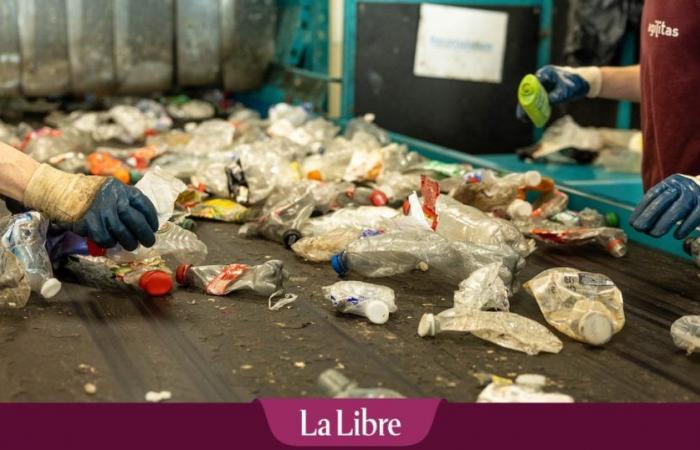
(104, 164)
(686, 333)
(506, 329)
(219, 209)
(527, 388)
(14, 284)
(150, 276)
(210, 136)
(322, 247)
(264, 279)
(24, 235)
(549, 204)
(585, 306)
(365, 124)
(362, 196)
(162, 190)
(397, 186)
(190, 110)
(401, 251)
(534, 100)
(284, 214)
(337, 385)
(363, 299)
(498, 195)
(586, 218)
(613, 240)
(483, 290)
(362, 218)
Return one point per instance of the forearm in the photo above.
(621, 83)
(16, 169)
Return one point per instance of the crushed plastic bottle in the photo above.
(483, 290)
(322, 247)
(362, 196)
(362, 218)
(284, 214)
(527, 388)
(586, 218)
(363, 299)
(397, 186)
(686, 333)
(150, 276)
(549, 204)
(398, 252)
(613, 240)
(265, 279)
(506, 329)
(210, 136)
(585, 306)
(337, 385)
(24, 235)
(498, 195)
(14, 284)
(365, 124)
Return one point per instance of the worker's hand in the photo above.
(567, 84)
(102, 209)
(675, 199)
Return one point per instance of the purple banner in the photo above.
(458, 426)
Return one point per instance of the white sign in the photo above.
(461, 43)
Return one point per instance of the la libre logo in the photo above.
(356, 424)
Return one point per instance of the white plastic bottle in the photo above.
(363, 299)
(25, 236)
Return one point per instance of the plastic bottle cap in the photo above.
(519, 209)
(290, 237)
(338, 264)
(50, 288)
(426, 326)
(156, 283)
(533, 178)
(314, 175)
(94, 249)
(378, 198)
(122, 175)
(531, 380)
(612, 220)
(181, 274)
(377, 312)
(596, 328)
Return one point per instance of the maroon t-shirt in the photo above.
(670, 73)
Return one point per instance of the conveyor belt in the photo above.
(232, 349)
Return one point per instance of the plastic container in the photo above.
(264, 279)
(534, 100)
(483, 290)
(337, 385)
(14, 283)
(285, 213)
(527, 388)
(322, 247)
(506, 329)
(613, 240)
(686, 333)
(362, 299)
(585, 306)
(24, 235)
(362, 218)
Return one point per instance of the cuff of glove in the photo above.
(62, 196)
(593, 76)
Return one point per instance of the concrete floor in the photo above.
(207, 349)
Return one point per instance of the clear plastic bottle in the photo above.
(613, 240)
(527, 388)
(174, 243)
(362, 218)
(14, 284)
(506, 329)
(459, 222)
(322, 247)
(483, 290)
(399, 252)
(549, 204)
(284, 214)
(585, 306)
(363, 299)
(265, 279)
(686, 333)
(362, 196)
(25, 236)
(338, 385)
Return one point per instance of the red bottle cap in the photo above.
(406, 207)
(156, 283)
(378, 198)
(181, 274)
(94, 249)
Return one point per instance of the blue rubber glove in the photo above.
(565, 84)
(119, 214)
(675, 199)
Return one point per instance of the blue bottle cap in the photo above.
(338, 264)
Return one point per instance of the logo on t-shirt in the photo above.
(659, 29)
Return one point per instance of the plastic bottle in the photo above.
(398, 252)
(362, 218)
(528, 388)
(150, 276)
(613, 240)
(337, 385)
(174, 243)
(14, 284)
(506, 329)
(686, 333)
(483, 290)
(285, 213)
(586, 218)
(534, 100)
(362, 196)
(585, 306)
(549, 204)
(363, 299)
(322, 247)
(264, 279)
(25, 236)
(458, 222)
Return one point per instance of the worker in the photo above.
(667, 83)
(100, 208)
